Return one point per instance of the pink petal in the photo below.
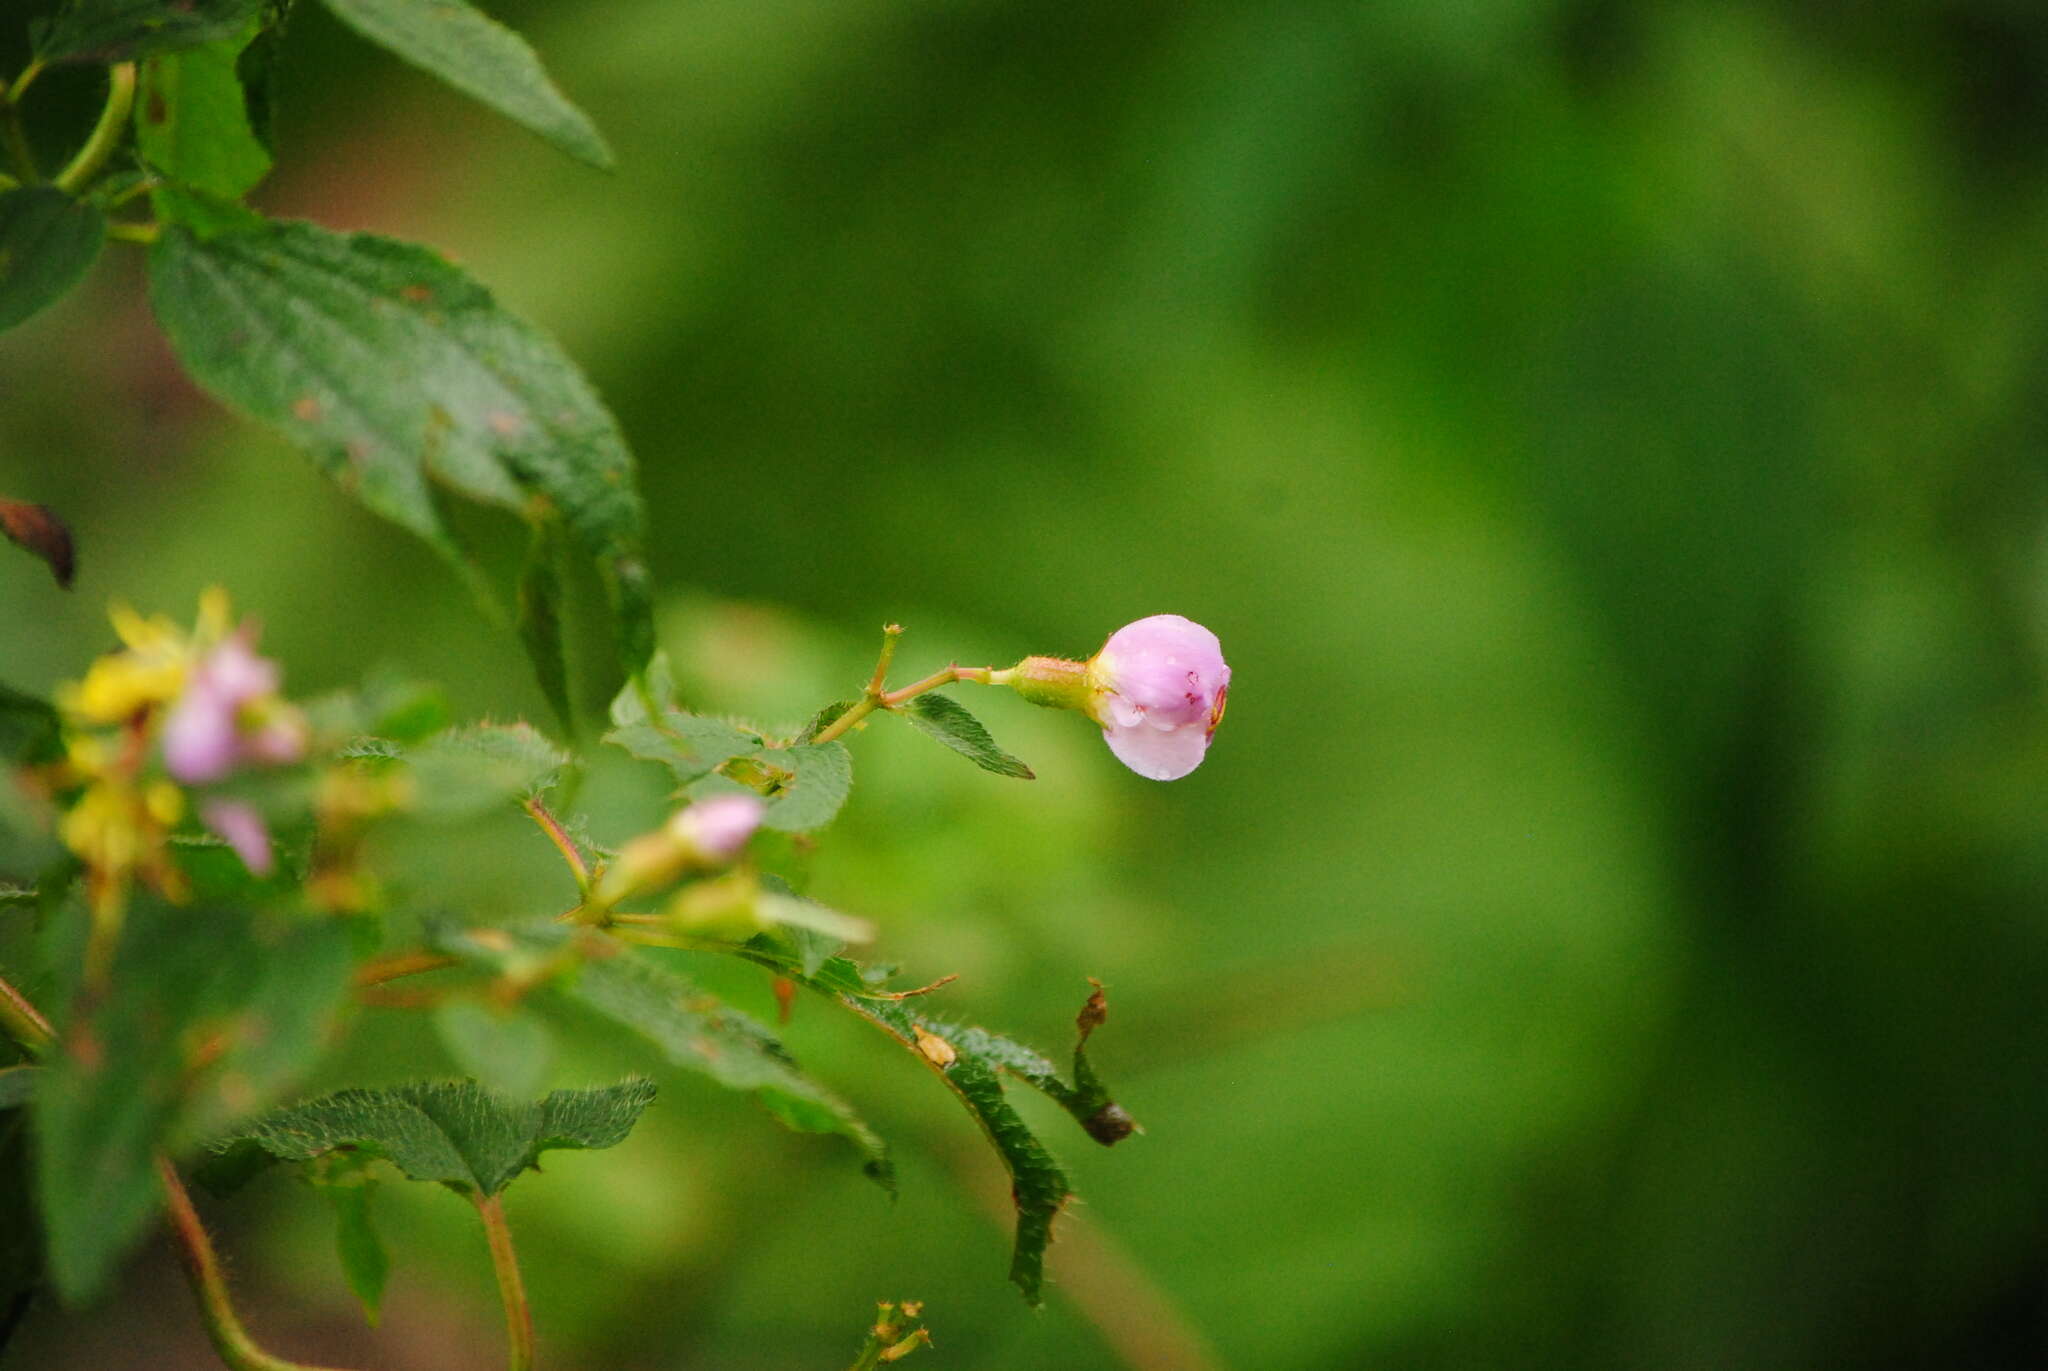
(244, 831)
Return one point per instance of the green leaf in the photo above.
(47, 240)
(117, 30)
(540, 625)
(192, 122)
(693, 1029)
(28, 729)
(969, 1060)
(948, 721)
(469, 771)
(805, 784)
(364, 1262)
(219, 1008)
(400, 375)
(454, 1133)
(481, 58)
(507, 1051)
(824, 719)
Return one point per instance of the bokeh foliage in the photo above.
(1608, 440)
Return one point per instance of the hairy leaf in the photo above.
(455, 1133)
(804, 784)
(464, 772)
(969, 1060)
(400, 375)
(693, 1029)
(192, 121)
(117, 30)
(948, 721)
(481, 58)
(218, 1009)
(47, 240)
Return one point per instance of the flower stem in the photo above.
(24, 1022)
(135, 233)
(12, 94)
(563, 843)
(878, 696)
(106, 134)
(511, 1289)
(230, 1340)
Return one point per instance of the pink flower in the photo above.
(719, 826)
(1158, 689)
(225, 716)
(244, 830)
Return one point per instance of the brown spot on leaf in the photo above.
(419, 295)
(785, 998)
(157, 111)
(504, 423)
(39, 530)
(305, 409)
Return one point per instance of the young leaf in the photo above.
(116, 30)
(364, 1262)
(694, 1030)
(454, 1133)
(218, 1009)
(47, 240)
(689, 745)
(192, 122)
(540, 625)
(948, 721)
(398, 374)
(37, 528)
(481, 58)
(507, 1052)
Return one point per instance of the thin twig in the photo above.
(24, 1022)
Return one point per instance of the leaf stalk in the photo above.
(231, 1341)
(106, 134)
(511, 1288)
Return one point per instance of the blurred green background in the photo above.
(1609, 929)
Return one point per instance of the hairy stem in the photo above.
(24, 1022)
(563, 843)
(106, 134)
(511, 1289)
(231, 1341)
(876, 698)
(389, 968)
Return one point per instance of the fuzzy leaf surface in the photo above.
(947, 720)
(455, 1133)
(693, 1029)
(403, 378)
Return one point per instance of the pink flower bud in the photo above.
(1159, 690)
(717, 828)
(243, 829)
